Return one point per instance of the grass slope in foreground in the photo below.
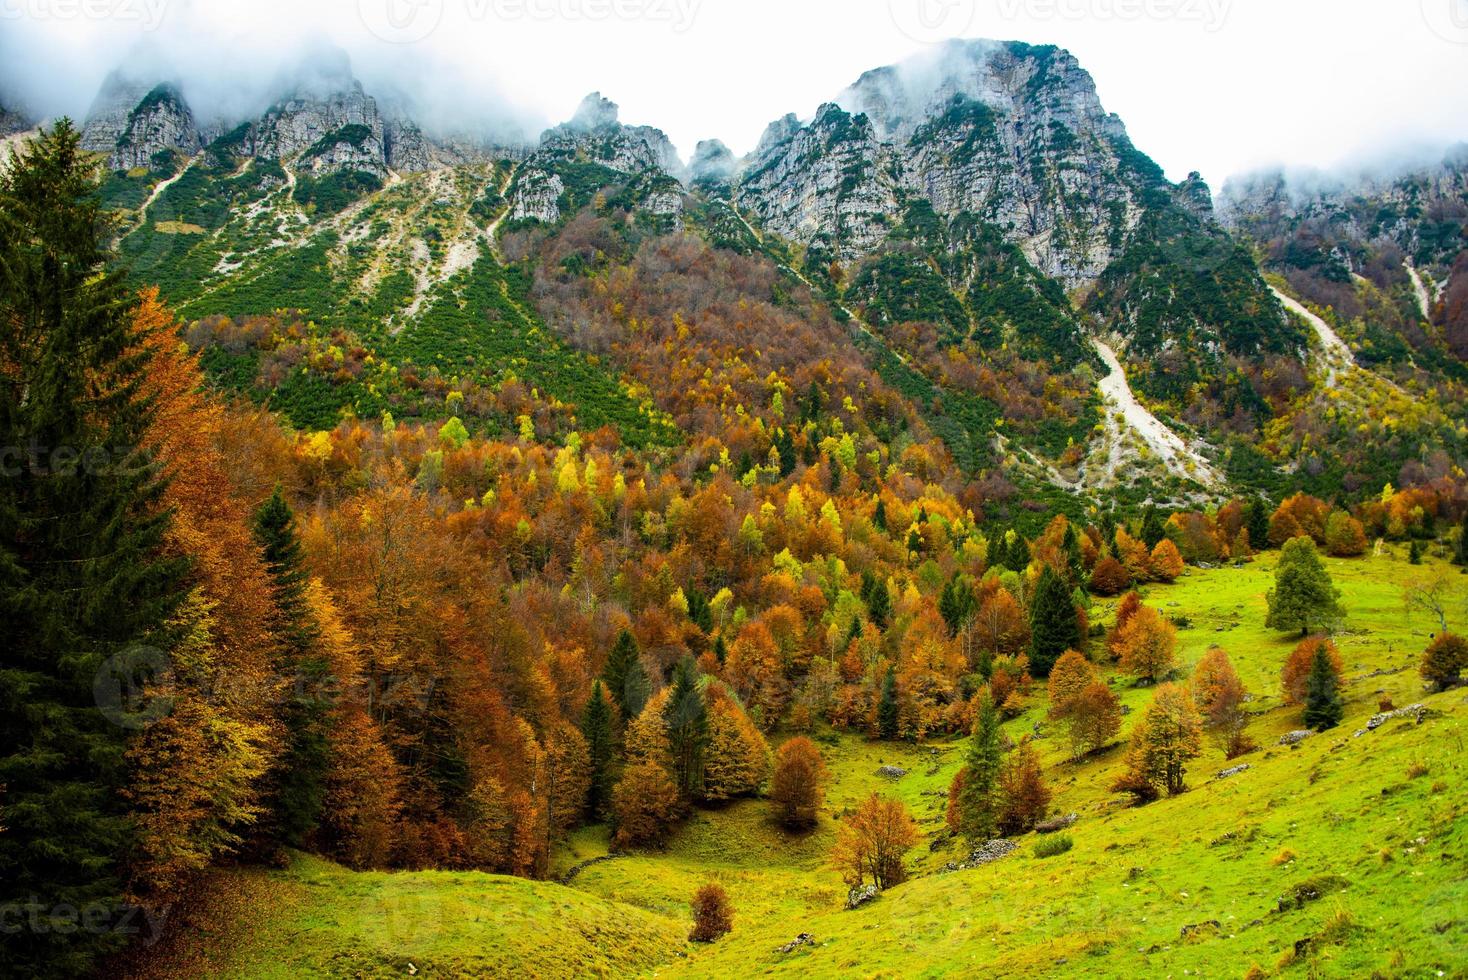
(1376, 825)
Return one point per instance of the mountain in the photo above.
(1009, 142)
(592, 150)
(988, 239)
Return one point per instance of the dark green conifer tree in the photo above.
(86, 592)
(625, 677)
(1324, 706)
(686, 716)
(297, 786)
(978, 797)
(596, 728)
(1054, 628)
(1257, 522)
(888, 725)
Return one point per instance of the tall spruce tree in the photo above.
(86, 592)
(888, 723)
(1054, 627)
(1462, 555)
(1257, 522)
(596, 728)
(956, 604)
(978, 803)
(625, 677)
(686, 716)
(879, 603)
(297, 789)
(997, 553)
(1019, 554)
(1153, 529)
(1324, 707)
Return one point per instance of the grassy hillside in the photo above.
(1376, 825)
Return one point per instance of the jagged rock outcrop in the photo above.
(594, 136)
(832, 183)
(107, 119)
(537, 196)
(1010, 133)
(1333, 225)
(161, 122)
(324, 122)
(132, 121)
(712, 166)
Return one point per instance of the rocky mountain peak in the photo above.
(595, 112)
(1044, 83)
(595, 135)
(777, 132)
(712, 163)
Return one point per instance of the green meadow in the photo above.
(1344, 856)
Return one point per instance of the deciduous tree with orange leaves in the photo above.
(1082, 702)
(872, 842)
(1166, 738)
(1219, 696)
(799, 785)
(1147, 645)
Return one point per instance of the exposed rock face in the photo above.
(160, 122)
(537, 196)
(1012, 134)
(315, 123)
(405, 147)
(594, 135)
(324, 123)
(13, 120)
(133, 121)
(1334, 225)
(712, 166)
(832, 182)
(107, 119)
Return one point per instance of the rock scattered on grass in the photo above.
(986, 853)
(1295, 737)
(861, 895)
(1056, 824)
(804, 939)
(1310, 890)
(1232, 772)
(1200, 930)
(892, 772)
(1418, 711)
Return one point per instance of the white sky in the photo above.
(1219, 86)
